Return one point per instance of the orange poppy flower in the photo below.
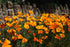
(62, 31)
(9, 24)
(26, 26)
(24, 40)
(68, 24)
(42, 37)
(40, 41)
(25, 15)
(12, 13)
(58, 29)
(45, 37)
(57, 37)
(6, 43)
(6, 18)
(46, 30)
(30, 11)
(34, 34)
(11, 31)
(0, 41)
(14, 17)
(27, 23)
(0, 20)
(62, 35)
(42, 19)
(35, 39)
(69, 29)
(51, 27)
(33, 23)
(53, 31)
(37, 20)
(10, 19)
(19, 13)
(37, 16)
(19, 36)
(18, 29)
(0, 33)
(43, 14)
(40, 31)
(15, 34)
(14, 38)
(2, 25)
(65, 15)
(17, 26)
(40, 22)
(21, 20)
(16, 21)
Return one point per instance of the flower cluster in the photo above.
(26, 28)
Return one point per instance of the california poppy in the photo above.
(6, 43)
(19, 36)
(14, 38)
(24, 40)
(2, 25)
(34, 34)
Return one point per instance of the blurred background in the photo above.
(43, 5)
(40, 2)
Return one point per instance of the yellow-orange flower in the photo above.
(57, 37)
(37, 20)
(40, 22)
(21, 20)
(10, 19)
(6, 18)
(39, 27)
(12, 13)
(19, 13)
(26, 26)
(62, 35)
(0, 33)
(14, 38)
(44, 37)
(40, 31)
(0, 41)
(37, 16)
(14, 17)
(62, 31)
(33, 23)
(0, 20)
(2, 25)
(19, 36)
(40, 41)
(17, 26)
(9, 24)
(11, 31)
(6, 43)
(58, 29)
(69, 29)
(24, 40)
(16, 21)
(30, 11)
(18, 29)
(53, 31)
(35, 39)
